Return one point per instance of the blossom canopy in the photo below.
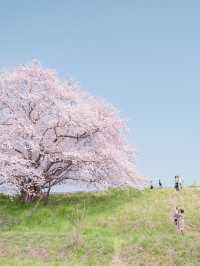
(52, 132)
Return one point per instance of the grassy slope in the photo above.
(111, 228)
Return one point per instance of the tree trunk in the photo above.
(46, 194)
(31, 192)
(27, 197)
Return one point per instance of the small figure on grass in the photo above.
(176, 215)
(151, 185)
(160, 184)
(179, 220)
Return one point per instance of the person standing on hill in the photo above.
(176, 186)
(180, 182)
(160, 184)
(151, 185)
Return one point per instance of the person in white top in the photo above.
(180, 182)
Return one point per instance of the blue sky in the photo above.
(143, 56)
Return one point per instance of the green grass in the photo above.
(113, 228)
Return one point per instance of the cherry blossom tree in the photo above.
(52, 132)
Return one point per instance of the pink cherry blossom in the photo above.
(52, 132)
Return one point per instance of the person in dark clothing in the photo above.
(176, 186)
(160, 184)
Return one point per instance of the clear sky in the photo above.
(143, 56)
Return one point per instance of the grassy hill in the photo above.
(113, 228)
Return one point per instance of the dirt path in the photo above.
(117, 260)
